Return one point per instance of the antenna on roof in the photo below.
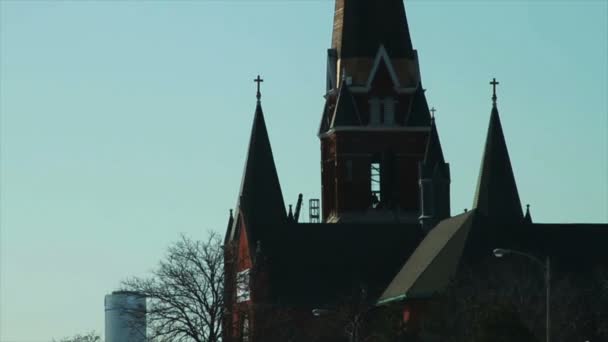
(313, 211)
(296, 215)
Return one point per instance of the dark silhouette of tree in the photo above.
(185, 292)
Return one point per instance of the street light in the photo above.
(546, 266)
(320, 312)
(353, 326)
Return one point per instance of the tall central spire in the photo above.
(361, 26)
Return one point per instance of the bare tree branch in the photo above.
(185, 293)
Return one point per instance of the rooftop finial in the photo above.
(258, 80)
(494, 83)
(433, 110)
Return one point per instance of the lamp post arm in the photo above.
(530, 256)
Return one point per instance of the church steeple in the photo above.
(361, 26)
(260, 199)
(497, 196)
(367, 33)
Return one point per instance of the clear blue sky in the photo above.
(124, 124)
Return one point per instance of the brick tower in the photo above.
(381, 159)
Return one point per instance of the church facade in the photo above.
(386, 238)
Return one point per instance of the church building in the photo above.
(385, 234)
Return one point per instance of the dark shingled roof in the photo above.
(419, 114)
(497, 196)
(315, 264)
(260, 199)
(346, 113)
(368, 24)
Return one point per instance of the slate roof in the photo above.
(369, 24)
(419, 114)
(497, 196)
(318, 263)
(260, 198)
(346, 112)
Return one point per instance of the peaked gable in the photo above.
(382, 63)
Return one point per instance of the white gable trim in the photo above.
(382, 55)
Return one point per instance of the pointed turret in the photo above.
(361, 26)
(434, 153)
(345, 113)
(261, 200)
(434, 182)
(528, 216)
(419, 114)
(228, 235)
(497, 196)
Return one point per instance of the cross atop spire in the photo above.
(433, 110)
(258, 80)
(494, 83)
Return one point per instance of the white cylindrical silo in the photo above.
(125, 317)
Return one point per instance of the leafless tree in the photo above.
(185, 292)
(88, 337)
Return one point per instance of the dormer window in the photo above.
(382, 111)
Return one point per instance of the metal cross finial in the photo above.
(258, 80)
(433, 110)
(494, 83)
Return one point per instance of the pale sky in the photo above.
(124, 124)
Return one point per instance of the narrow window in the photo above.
(389, 111)
(374, 111)
(242, 286)
(375, 183)
(245, 329)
